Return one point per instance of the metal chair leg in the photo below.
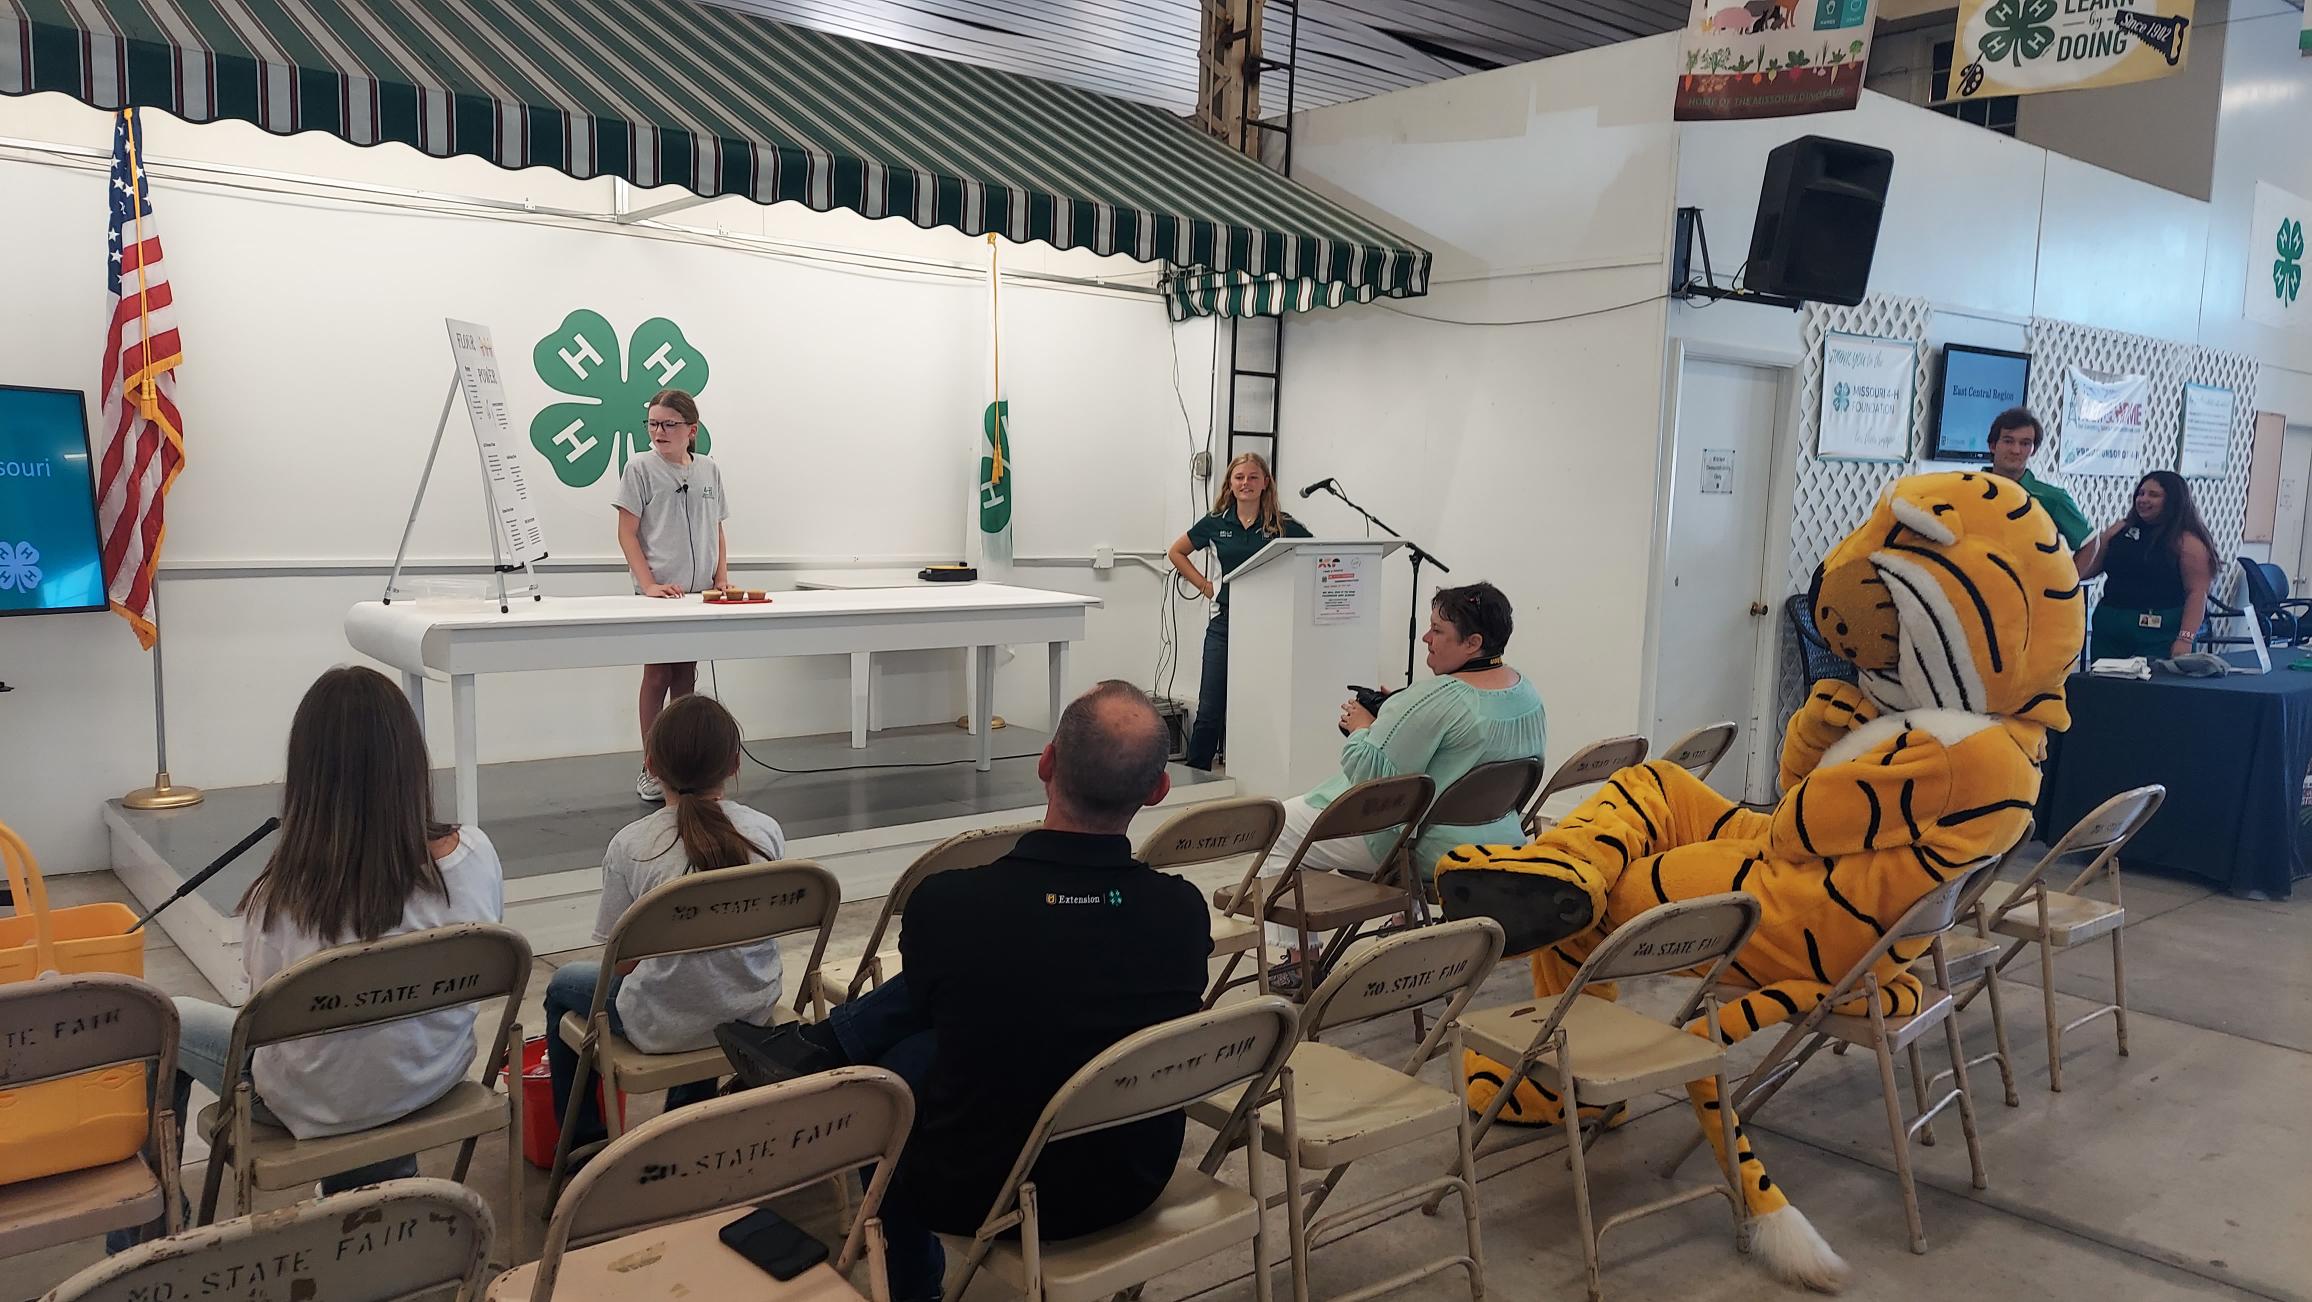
(2006, 1056)
(1574, 1159)
(1979, 1178)
(2047, 1001)
(1919, 1093)
(1892, 1095)
(2119, 985)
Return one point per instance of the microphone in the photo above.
(683, 487)
(1320, 484)
(240, 848)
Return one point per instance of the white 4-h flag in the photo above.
(2278, 294)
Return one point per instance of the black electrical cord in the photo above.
(715, 679)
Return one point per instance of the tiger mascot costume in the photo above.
(1961, 607)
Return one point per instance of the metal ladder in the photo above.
(1256, 344)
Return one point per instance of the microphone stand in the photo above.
(1421, 556)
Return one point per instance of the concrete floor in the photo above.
(2182, 1170)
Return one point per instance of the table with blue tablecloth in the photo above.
(2231, 751)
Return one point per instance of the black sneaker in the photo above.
(766, 1055)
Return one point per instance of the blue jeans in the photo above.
(1211, 731)
(571, 990)
(886, 1028)
(204, 1036)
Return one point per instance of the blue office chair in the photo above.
(1814, 653)
(2286, 619)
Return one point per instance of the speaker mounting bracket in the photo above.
(1684, 284)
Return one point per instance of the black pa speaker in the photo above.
(1818, 220)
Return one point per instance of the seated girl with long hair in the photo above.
(360, 858)
(672, 1004)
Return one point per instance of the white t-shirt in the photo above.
(671, 1004)
(353, 1080)
(679, 512)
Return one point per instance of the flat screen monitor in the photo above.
(49, 561)
(1977, 384)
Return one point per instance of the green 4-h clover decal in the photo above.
(2019, 30)
(2288, 268)
(1840, 396)
(612, 390)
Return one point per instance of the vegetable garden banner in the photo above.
(2022, 47)
(1772, 58)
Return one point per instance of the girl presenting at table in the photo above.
(1244, 519)
(670, 526)
(2157, 561)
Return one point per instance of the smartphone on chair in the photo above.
(774, 1243)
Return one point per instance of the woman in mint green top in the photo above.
(1475, 711)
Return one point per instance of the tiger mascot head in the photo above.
(1956, 594)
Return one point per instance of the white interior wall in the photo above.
(1524, 454)
(846, 388)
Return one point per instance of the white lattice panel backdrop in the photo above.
(1832, 497)
(2056, 346)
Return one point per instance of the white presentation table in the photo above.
(865, 718)
(460, 639)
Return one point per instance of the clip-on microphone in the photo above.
(240, 848)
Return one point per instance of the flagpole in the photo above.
(162, 794)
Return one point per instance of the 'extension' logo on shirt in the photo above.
(1061, 897)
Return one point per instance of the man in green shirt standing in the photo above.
(2015, 436)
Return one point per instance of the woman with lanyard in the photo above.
(1244, 519)
(2157, 562)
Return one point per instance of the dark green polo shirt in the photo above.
(1236, 544)
(2070, 521)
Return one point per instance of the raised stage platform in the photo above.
(550, 820)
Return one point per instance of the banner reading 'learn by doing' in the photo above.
(2022, 47)
(1771, 58)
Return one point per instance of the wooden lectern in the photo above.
(1305, 621)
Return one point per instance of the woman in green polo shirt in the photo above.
(1244, 519)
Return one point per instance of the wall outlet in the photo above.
(1103, 557)
(1200, 465)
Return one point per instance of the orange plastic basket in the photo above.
(89, 1120)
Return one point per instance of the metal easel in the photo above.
(498, 565)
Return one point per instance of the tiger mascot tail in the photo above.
(1961, 608)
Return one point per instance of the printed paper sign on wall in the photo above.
(2277, 295)
(1771, 58)
(1867, 388)
(2103, 423)
(2021, 47)
(2206, 448)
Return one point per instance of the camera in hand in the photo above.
(1369, 698)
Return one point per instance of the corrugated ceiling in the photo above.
(1146, 49)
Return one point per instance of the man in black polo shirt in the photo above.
(1013, 977)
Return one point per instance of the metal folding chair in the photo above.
(390, 1241)
(842, 980)
(1699, 751)
(641, 1221)
(1209, 833)
(1590, 765)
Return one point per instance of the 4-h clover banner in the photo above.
(2277, 295)
(1771, 58)
(595, 433)
(2022, 47)
(1867, 398)
(2103, 423)
(993, 487)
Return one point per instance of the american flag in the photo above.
(144, 441)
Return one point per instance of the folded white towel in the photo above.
(2121, 667)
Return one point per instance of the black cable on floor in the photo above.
(715, 680)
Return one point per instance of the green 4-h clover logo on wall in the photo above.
(2020, 29)
(1841, 397)
(612, 389)
(2288, 268)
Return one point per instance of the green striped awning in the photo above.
(719, 102)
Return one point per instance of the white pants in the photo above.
(1348, 854)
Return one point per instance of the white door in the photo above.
(2289, 510)
(1715, 603)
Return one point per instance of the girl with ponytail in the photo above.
(672, 1004)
